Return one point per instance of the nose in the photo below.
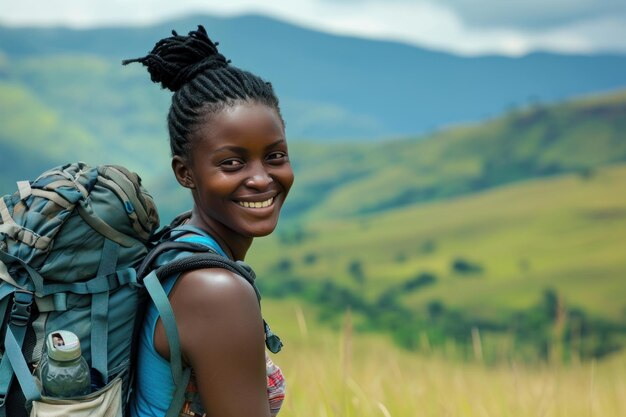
(259, 178)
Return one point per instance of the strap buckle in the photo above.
(20, 310)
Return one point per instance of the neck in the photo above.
(235, 245)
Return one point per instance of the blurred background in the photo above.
(455, 242)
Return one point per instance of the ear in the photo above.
(183, 172)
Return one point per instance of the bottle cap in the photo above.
(63, 345)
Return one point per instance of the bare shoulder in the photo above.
(209, 298)
(215, 284)
(212, 304)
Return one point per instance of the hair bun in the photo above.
(176, 60)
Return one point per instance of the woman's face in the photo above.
(240, 170)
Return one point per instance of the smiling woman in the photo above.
(239, 172)
(229, 148)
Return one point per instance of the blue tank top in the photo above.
(154, 386)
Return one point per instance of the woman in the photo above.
(228, 144)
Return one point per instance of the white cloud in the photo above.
(533, 14)
(451, 25)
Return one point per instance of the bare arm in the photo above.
(221, 332)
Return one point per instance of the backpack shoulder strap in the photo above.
(180, 375)
(207, 260)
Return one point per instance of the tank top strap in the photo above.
(192, 229)
(205, 240)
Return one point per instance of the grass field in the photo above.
(345, 374)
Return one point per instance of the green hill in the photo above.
(118, 109)
(541, 141)
(33, 135)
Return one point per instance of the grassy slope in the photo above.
(536, 142)
(73, 111)
(35, 136)
(36, 124)
(566, 233)
(86, 90)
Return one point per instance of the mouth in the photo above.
(256, 204)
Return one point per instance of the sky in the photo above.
(466, 27)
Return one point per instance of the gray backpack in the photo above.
(70, 244)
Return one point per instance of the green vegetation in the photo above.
(534, 267)
(116, 108)
(28, 126)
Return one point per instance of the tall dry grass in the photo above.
(340, 373)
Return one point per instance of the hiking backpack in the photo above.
(70, 242)
(79, 252)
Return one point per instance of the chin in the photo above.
(259, 230)
(255, 229)
(263, 232)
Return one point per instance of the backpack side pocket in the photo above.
(106, 402)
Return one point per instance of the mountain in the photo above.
(331, 87)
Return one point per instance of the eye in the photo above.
(231, 164)
(277, 157)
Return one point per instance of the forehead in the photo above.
(240, 124)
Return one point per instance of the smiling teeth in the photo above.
(256, 204)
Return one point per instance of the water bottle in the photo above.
(63, 371)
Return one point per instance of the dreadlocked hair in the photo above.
(203, 82)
